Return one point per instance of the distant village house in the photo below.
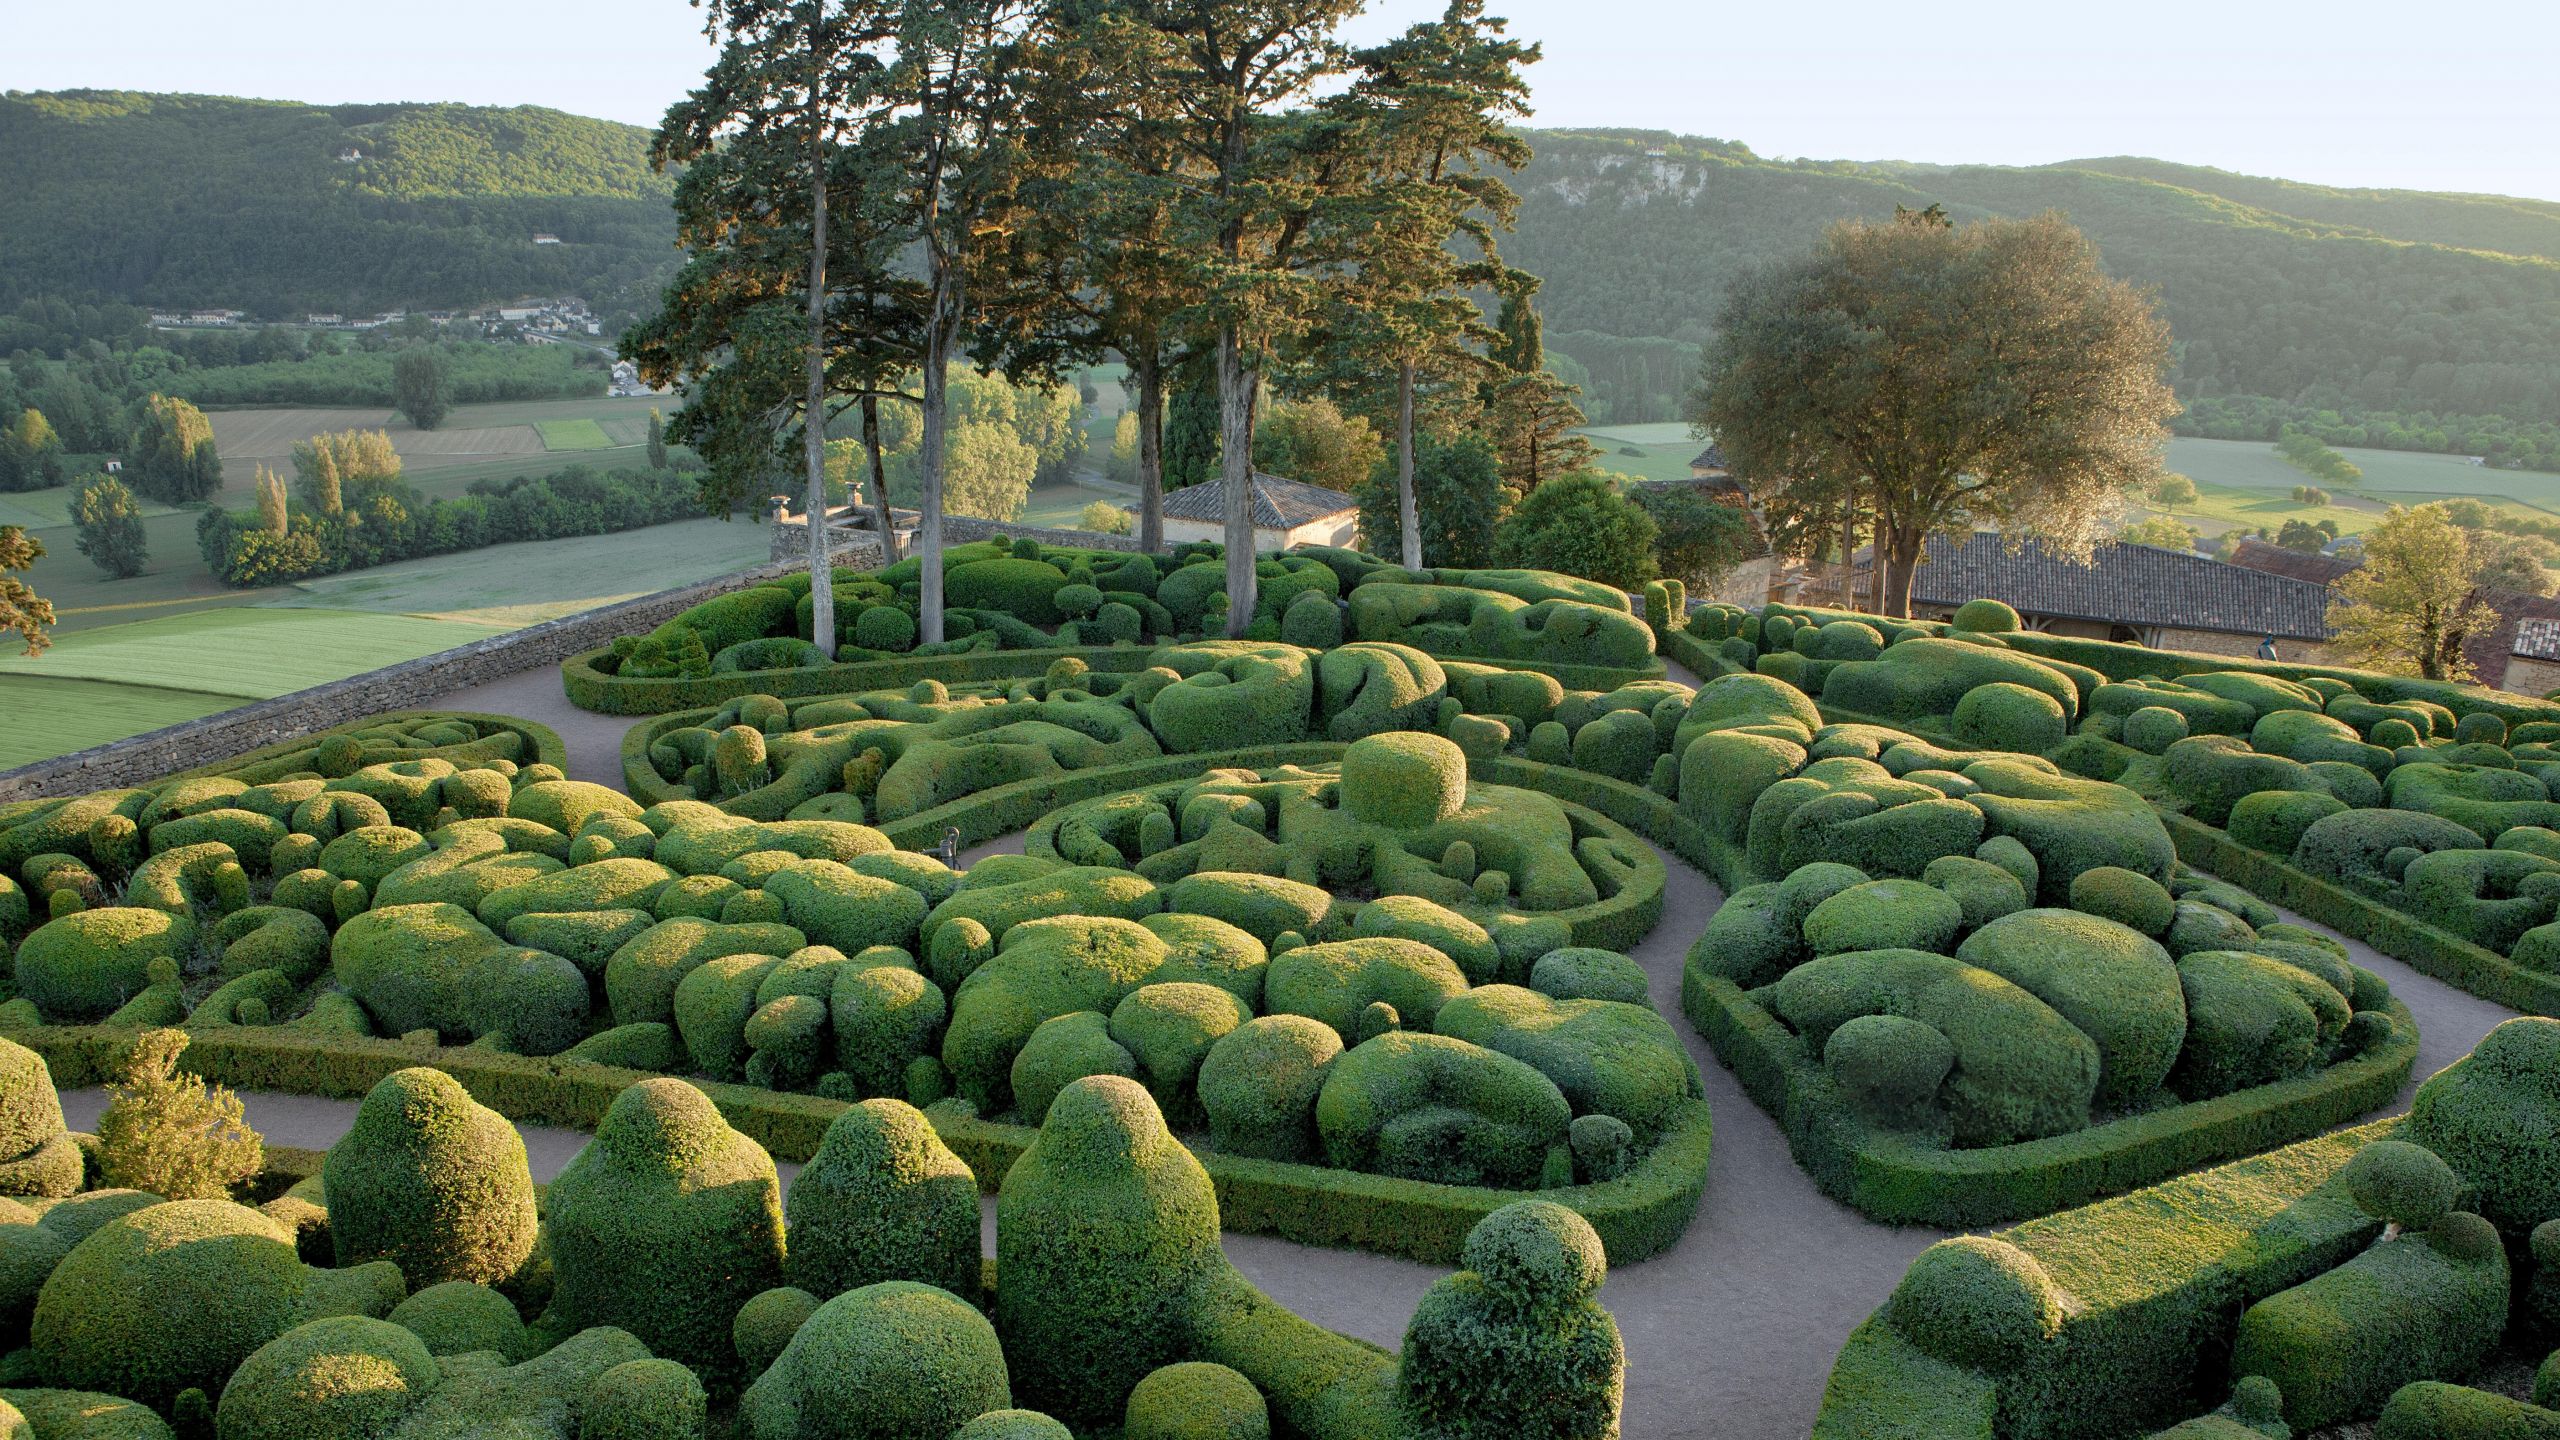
(1286, 513)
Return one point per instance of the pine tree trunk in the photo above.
(929, 504)
(1408, 521)
(1235, 471)
(879, 480)
(1848, 546)
(1150, 451)
(813, 427)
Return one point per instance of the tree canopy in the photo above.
(1990, 374)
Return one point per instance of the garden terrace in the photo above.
(1011, 608)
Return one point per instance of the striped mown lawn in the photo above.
(245, 652)
(41, 716)
(573, 435)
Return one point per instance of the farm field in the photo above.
(516, 585)
(2389, 475)
(245, 652)
(41, 717)
(1061, 507)
(38, 509)
(1664, 449)
(572, 435)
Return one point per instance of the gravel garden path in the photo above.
(1729, 1333)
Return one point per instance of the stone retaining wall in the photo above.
(398, 687)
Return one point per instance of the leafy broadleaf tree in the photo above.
(657, 441)
(110, 522)
(418, 386)
(1959, 376)
(1579, 524)
(171, 456)
(2414, 601)
(23, 612)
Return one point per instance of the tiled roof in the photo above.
(1278, 503)
(2538, 639)
(2259, 554)
(2137, 585)
(1711, 458)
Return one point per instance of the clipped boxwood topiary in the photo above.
(1978, 1302)
(665, 1224)
(647, 1399)
(1196, 1400)
(166, 1299)
(890, 1361)
(1259, 1082)
(883, 1199)
(765, 1325)
(1986, 617)
(1099, 1222)
(345, 1375)
(2112, 892)
(2003, 716)
(2494, 1115)
(433, 1181)
(459, 1317)
(1515, 1345)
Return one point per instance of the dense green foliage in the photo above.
(199, 201)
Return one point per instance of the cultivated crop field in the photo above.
(515, 585)
(572, 435)
(1664, 449)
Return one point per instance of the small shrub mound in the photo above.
(1978, 1302)
(1514, 1344)
(885, 1362)
(432, 1181)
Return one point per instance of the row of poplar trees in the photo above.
(874, 190)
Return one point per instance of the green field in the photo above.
(2388, 474)
(1663, 450)
(247, 652)
(572, 435)
(41, 717)
(516, 585)
(1061, 507)
(37, 509)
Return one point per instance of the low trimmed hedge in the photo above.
(590, 687)
(1637, 1215)
(1616, 923)
(2160, 1278)
(1886, 1176)
(2394, 932)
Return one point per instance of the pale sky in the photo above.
(2453, 95)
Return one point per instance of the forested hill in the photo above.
(2369, 299)
(208, 202)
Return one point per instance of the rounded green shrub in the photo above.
(1101, 1219)
(1168, 1029)
(1334, 982)
(1404, 781)
(885, 627)
(2251, 1020)
(166, 1299)
(765, 1325)
(1196, 1400)
(2152, 729)
(1259, 1082)
(1978, 1302)
(2494, 1115)
(458, 1317)
(1582, 973)
(2402, 1183)
(1983, 892)
(2137, 901)
(1312, 620)
(1433, 1107)
(1409, 917)
(2273, 820)
(1889, 1067)
(1607, 1058)
(345, 1375)
(1892, 914)
(2004, 716)
(1986, 617)
(432, 1181)
(890, 1361)
(1013, 1425)
(80, 967)
(1515, 1345)
(647, 1399)
(665, 1224)
(883, 1199)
